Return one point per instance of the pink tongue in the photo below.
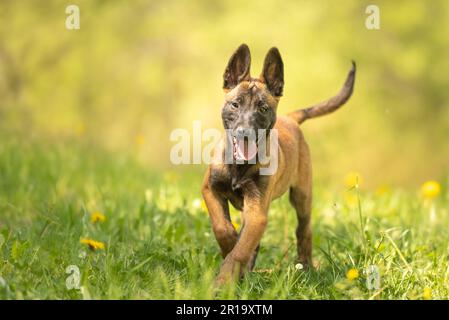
(246, 151)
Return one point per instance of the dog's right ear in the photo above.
(238, 68)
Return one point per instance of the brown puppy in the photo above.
(251, 105)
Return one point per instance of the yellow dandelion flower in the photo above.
(427, 294)
(382, 190)
(350, 199)
(80, 129)
(353, 179)
(236, 225)
(97, 217)
(430, 189)
(352, 274)
(203, 206)
(93, 245)
(140, 140)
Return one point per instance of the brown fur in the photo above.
(243, 187)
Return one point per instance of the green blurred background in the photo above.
(136, 70)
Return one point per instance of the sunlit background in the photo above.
(136, 70)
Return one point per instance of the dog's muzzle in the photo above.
(244, 145)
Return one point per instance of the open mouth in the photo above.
(244, 149)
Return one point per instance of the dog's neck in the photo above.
(243, 173)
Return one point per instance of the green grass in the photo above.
(159, 244)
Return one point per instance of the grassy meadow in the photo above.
(158, 243)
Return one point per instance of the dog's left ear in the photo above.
(273, 72)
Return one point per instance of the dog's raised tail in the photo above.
(330, 105)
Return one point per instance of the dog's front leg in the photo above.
(255, 214)
(218, 208)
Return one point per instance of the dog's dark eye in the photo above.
(263, 108)
(235, 105)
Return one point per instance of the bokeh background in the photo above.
(136, 70)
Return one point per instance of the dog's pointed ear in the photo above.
(273, 72)
(238, 68)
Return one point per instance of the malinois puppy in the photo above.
(251, 104)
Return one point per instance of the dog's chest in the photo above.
(230, 184)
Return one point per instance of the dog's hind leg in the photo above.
(301, 200)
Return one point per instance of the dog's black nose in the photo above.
(239, 131)
(242, 132)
